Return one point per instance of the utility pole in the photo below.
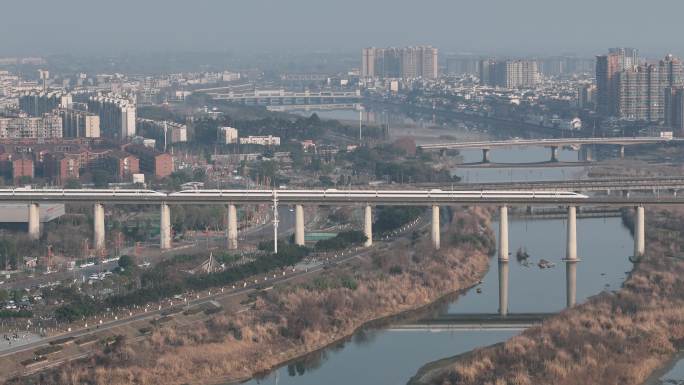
(165, 131)
(275, 221)
(360, 122)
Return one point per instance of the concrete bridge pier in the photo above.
(232, 227)
(503, 233)
(34, 221)
(435, 227)
(571, 282)
(503, 260)
(571, 258)
(622, 152)
(571, 249)
(588, 153)
(299, 225)
(98, 226)
(485, 155)
(503, 287)
(639, 232)
(368, 225)
(554, 153)
(165, 227)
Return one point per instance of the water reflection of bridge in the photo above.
(476, 321)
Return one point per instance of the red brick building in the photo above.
(157, 164)
(123, 165)
(22, 167)
(61, 167)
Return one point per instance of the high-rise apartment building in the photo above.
(37, 104)
(586, 96)
(632, 102)
(674, 109)
(673, 70)
(607, 68)
(509, 73)
(117, 116)
(368, 62)
(486, 69)
(79, 124)
(407, 63)
(462, 64)
(641, 90)
(47, 126)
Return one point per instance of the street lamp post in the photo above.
(275, 221)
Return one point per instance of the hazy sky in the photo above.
(507, 26)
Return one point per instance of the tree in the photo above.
(326, 181)
(102, 178)
(126, 261)
(8, 253)
(199, 175)
(4, 295)
(72, 184)
(24, 179)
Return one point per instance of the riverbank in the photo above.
(660, 376)
(618, 337)
(292, 321)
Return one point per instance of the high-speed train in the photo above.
(85, 193)
(288, 195)
(334, 194)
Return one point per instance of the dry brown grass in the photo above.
(614, 338)
(291, 321)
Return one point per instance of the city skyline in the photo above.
(305, 25)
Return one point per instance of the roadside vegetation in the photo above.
(389, 218)
(341, 241)
(165, 280)
(292, 320)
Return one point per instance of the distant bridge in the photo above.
(553, 144)
(313, 107)
(283, 97)
(622, 141)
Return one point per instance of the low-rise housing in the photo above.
(158, 164)
(269, 140)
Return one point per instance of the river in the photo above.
(391, 357)
(671, 374)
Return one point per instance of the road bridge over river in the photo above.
(281, 97)
(553, 144)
